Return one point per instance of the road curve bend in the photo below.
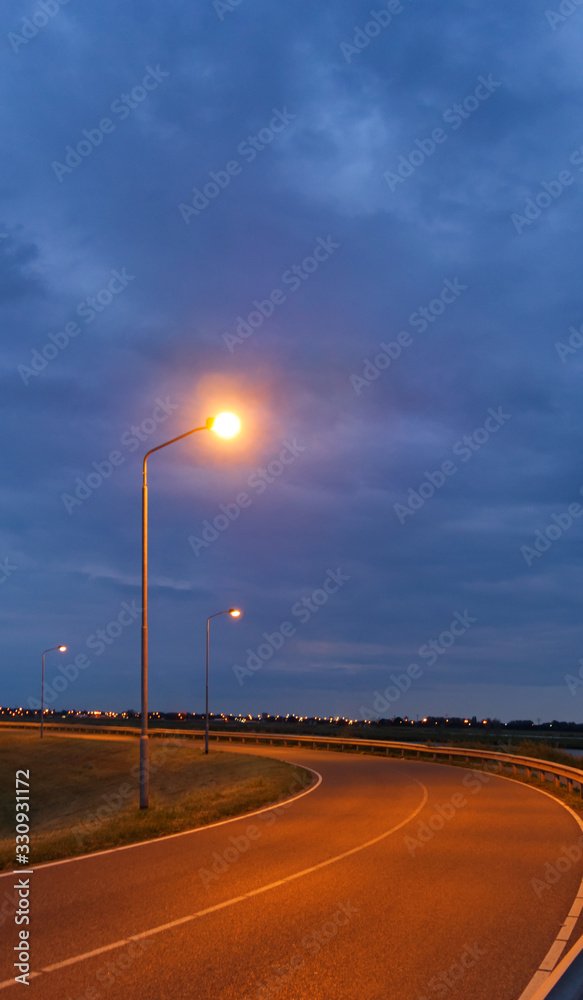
(392, 879)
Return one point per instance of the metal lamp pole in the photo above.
(235, 613)
(61, 649)
(225, 425)
(144, 761)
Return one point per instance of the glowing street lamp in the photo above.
(235, 613)
(226, 425)
(61, 649)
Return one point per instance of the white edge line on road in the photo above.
(236, 899)
(553, 978)
(545, 978)
(539, 987)
(181, 833)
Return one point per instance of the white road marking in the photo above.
(541, 984)
(567, 929)
(236, 899)
(552, 957)
(538, 980)
(537, 989)
(545, 986)
(182, 833)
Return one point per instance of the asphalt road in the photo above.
(334, 897)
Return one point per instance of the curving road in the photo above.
(390, 880)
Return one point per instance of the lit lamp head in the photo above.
(234, 612)
(226, 425)
(62, 649)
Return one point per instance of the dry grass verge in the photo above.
(84, 792)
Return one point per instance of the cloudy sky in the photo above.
(210, 207)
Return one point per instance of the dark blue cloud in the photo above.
(82, 365)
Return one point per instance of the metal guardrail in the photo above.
(560, 774)
(569, 985)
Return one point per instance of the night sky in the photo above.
(360, 233)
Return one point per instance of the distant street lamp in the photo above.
(235, 613)
(226, 425)
(61, 649)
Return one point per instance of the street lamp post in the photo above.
(61, 649)
(235, 613)
(225, 425)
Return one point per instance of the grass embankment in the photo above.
(84, 793)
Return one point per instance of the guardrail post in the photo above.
(520, 765)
